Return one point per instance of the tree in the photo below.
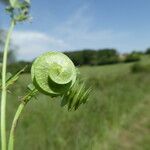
(132, 57)
(147, 51)
(89, 57)
(76, 57)
(107, 56)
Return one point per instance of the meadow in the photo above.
(116, 116)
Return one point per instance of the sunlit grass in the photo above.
(107, 121)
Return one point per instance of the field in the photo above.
(115, 118)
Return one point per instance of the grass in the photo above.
(115, 118)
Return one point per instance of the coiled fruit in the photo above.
(53, 73)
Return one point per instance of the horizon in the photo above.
(77, 25)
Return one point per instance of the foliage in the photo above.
(54, 74)
(107, 56)
(76, 57)
(119, 108)
(89, 57)
(147, 51)
(11, 79)
(15, 67)
(139, 67)
(86, 57)
(132, 57)
(18, 11)
(93, 57)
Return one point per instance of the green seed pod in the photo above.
(53, 73)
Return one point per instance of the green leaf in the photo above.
(13, 3)
(10, 79)
(9, 9)
(79, 92)
(0, 83)
(31, 87)
(30, 94)
(14, 78)
(77, 95)
(64, 101)
(28, 1)
(19, 5)
(8, 76)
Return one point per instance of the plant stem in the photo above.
(25, 100)
(14, 125)
(3, 96)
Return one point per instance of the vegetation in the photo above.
(94, 57)
(16, 66)
(147, 51)
(132, 57)
(139, 67)
(53, 74)
(116, 117)
(80, 58)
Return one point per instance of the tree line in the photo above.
(100, 57)
(79, 57)
(83, 57)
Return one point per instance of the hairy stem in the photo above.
(14, 125)
(3, 96)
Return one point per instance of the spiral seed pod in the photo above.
(53, 73)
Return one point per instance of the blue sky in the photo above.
(62, 25)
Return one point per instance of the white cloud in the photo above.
(79, 32)
(31, 44)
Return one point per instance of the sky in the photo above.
(67, 25)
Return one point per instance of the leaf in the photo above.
(28, 1)
(14, 78)
(17, 4)
(64, 99)
(9, 9)
(13, 3)
(86, 95)
(77, 95)
(8, 76)
(72, 94)
(79, 92)
(31, 87)
(31, 94)
(83, 99)
(10, 79)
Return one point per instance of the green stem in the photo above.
(25, 100)
(14, 125)
(3, 96)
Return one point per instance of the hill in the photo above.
(116, 116)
